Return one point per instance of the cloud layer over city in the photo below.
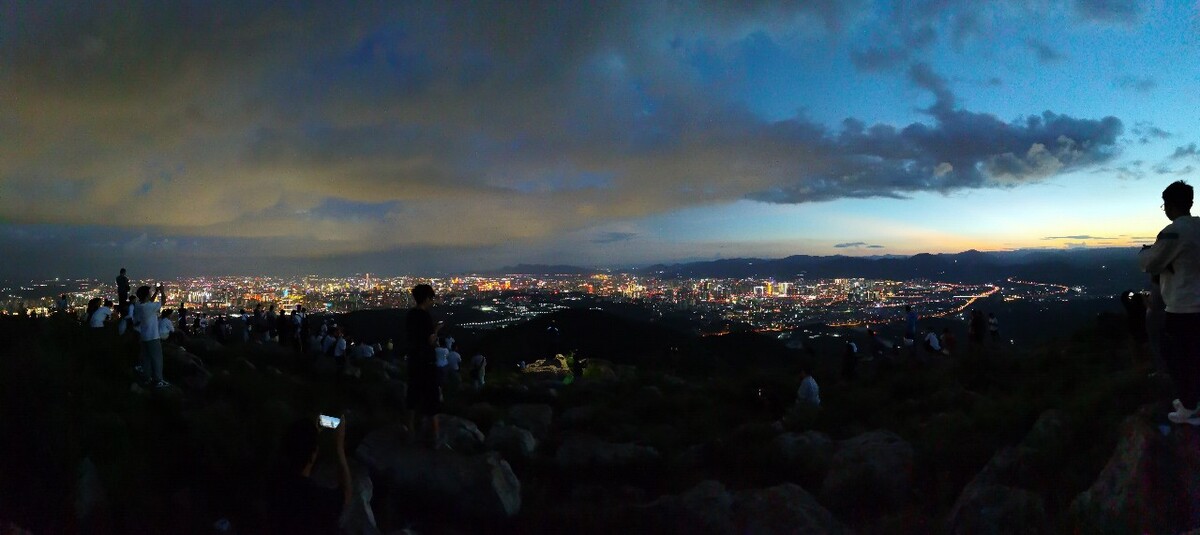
(246, 129)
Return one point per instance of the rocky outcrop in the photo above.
(999, 499)
(476, 486)
(579, 451)
(512, 442)
(869, 473)
(461, 434)
(804, 456)
(710, 508)
(1151, 483)
(533, 417)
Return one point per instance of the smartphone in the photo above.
(330, 421)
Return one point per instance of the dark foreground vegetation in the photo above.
(1067, 436)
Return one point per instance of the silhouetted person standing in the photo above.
(122, 292)
(424, 395)
(1175, 259)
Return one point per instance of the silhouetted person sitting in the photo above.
(297, 504)
(809, 394)
(1175, 259)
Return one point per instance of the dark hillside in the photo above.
(913, 444)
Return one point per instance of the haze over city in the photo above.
(242, 137)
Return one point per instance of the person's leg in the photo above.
(156, 359)
(1174, 353)
(1189, 360)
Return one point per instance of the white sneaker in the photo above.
(162, 384)
(1181, 414)
(1176, 418)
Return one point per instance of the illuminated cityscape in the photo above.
(494, 301)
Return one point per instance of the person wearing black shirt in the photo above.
(297, 504)
(424, 395)
(122, 292)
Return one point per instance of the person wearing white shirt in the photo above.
(441, 358)
(100, 315)
(478, 371)
(1174, 259)
(453, 363)
(339, 347)
(932, 344)
(165, 326)
(145, 315)
(809, 394)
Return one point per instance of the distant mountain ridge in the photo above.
(1109, 267)
(1113, 268)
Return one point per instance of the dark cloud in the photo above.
(857, 245)
(1044, 52)
(613, 237)
(419, 126)
(962, 149)
(1186, 151)
(1133, 83)
(1110, 11)
(1078, 237)
(875, 247)
(1132, 170)
(1147, 132)
(876, 59)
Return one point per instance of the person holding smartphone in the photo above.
(299, 505)
(146, 315)
(424, 396)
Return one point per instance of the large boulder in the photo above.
(785, 508)
(578, 416)
(704, 508)
(710, 508)
(579, 451)
(869, 473)
(479, 486)
(533, 417)
(512, 442)
(998, 509)
(804, 456)
(998, 499)
(461, 434)
(1150, 483)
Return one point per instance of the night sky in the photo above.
(181, 138)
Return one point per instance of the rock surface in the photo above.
(587, 451)
(805, 456)
(533, 417)
(477, 486)
(710, 508)
(998, 499)
(512, 442)
(869, 473)
(1150, 483)
(460, 434)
